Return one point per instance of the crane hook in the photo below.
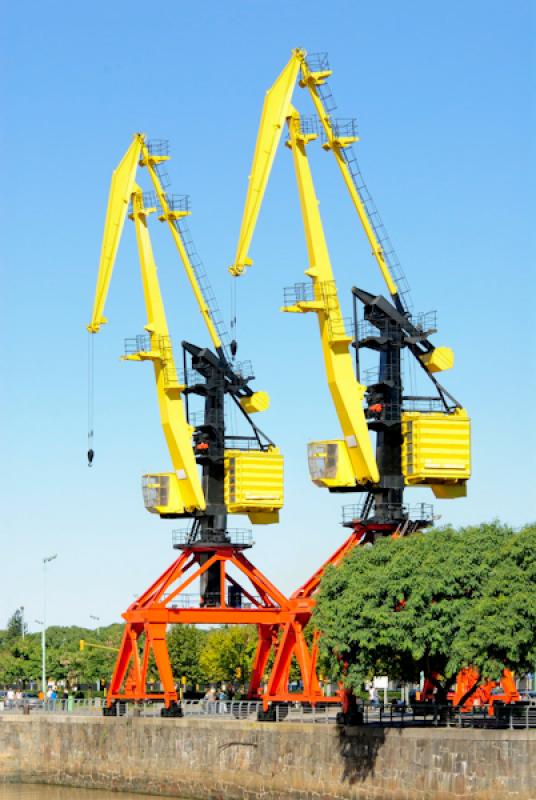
(90, 455)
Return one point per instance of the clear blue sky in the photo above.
(442, 94)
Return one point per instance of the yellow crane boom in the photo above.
(121, 188)
(274, 113)
(347, 393)
(276, 109)
(171, 216)
(337, 144)
(353, 458)
(186, 482)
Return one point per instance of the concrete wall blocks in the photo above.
(212, 759)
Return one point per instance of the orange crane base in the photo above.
(280, 623)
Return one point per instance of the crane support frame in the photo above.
(280, 624)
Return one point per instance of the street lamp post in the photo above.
(46, 561)
(97, 619)
(40, 622)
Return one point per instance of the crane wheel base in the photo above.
(271, 713)
(173, 710)
(350, 718)
(114, 710)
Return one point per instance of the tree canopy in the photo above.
(434, 601)
(228, 653)
(16, 625)
(20, 657)
(201, 656)
(185, 644)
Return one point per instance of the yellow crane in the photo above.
(414, 448)
(252, 478)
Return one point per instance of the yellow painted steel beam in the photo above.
(121, 188)
(84, 643)
(170, 217)
(346, 392)
(312, 80)
(274, 113)
(178, 433)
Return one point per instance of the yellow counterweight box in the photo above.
(436, 451)
(254, 483)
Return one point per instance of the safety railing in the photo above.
(229, 709)
(234, 599)
(386, 373)
(365, 510)
(425, 321)
(342, 128)
(298, 293)
(517, 716)
(149, 200)
(158, 147)
(242, 443)
(392, 412)
(423, 405)
(234, 536)
(178, 202)
(86, 706)
(317, 62)
(325, 291)
(244, 370)
(137, 344)
(305, 712)
(368, 332)
(512, 716)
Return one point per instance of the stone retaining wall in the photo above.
(214, 758)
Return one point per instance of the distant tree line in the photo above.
(218, 655)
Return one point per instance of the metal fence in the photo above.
(91, 706)
(517, 716)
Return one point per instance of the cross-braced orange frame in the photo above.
(280, 622)
(165, 603)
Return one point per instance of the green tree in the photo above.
(20, 659)
(15, 625)
(185, 644)
(65, 661)
(435, 601)
(227, 653)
